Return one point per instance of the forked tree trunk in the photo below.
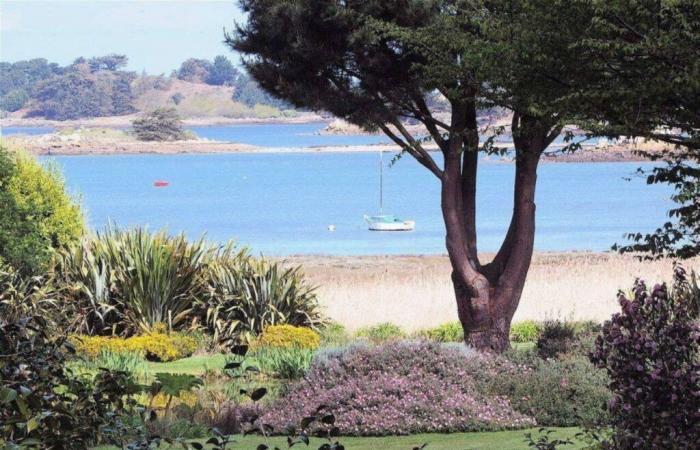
(488, 295)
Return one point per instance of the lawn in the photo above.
(194, 365)
(499, 440)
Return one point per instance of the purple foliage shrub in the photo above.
(397, 388)
(651, 352)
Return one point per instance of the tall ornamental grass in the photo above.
(126, 282)
(245, 298)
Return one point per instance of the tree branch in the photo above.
(428, 162)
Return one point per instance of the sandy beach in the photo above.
(415, 291)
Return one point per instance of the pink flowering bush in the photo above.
(397, 388)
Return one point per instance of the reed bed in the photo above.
(415, 292)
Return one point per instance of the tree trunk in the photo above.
(487, 296)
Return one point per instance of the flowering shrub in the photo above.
(286, 336)
(154, 346)
(397, 388)
(651, 351)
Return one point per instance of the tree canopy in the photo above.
(162, 124)
(377, 63)
(643, 71)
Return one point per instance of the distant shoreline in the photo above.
(125, 121)
(104, 136)
(202, 147)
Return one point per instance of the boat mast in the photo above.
(381, 182)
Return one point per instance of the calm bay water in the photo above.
(281, 204)
(30, 131)
(260, 134)
(282, 135)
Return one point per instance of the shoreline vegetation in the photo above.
(416, 292)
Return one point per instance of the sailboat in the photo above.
(386, 222)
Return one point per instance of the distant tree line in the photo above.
(100, 86)
(89, 87)
(221, 72)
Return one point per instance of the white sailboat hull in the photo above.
(379, 223)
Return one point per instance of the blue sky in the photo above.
(156, 35)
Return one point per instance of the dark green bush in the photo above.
(162, 124)
(25, 296)
(555, 338)
(41, 403)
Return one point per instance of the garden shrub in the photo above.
(555, 338)
(334, 334)
(41, 403)
(396, 388)
(37, 216)
(651, 351)
(153, 346)
(380, 333)
(563, 392)
(234, 418)
(525, 331)
(286, 336)
(447, 332)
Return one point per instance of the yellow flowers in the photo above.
(158, 346)
(286, 336)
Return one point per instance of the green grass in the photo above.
(194, 365)
(498, 440)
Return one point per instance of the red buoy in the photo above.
(161, 183)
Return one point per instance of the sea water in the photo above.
(283, 203)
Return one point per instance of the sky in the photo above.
(156, 35)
